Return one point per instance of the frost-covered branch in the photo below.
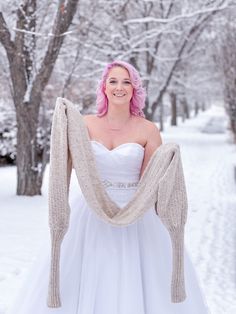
(45, 35)
(174, 19)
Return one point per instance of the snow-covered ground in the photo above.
(208, 156)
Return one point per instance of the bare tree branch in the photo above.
(5, 38)
(62, 22)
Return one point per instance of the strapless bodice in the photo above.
(123, 163)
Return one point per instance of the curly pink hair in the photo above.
(137, 102)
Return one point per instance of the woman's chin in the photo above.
(121, 101)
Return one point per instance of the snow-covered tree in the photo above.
(226, 60)
(31, 54)
(155, 36)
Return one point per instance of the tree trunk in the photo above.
(173, 109)
(147, 110)
(233, 128)
(186, 108)
(161, 116)
(28, 168)
(181, 104)
(196, 108)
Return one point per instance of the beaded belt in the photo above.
(108, 183)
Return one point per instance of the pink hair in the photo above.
(137, 102)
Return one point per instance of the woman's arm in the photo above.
(153, 142)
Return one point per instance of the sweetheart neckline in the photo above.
(123, 144)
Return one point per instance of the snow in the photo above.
(208, 157)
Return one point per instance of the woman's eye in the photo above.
(112, 82)
(127, 82)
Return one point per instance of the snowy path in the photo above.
(208, 160)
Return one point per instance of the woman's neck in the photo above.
(117, 119)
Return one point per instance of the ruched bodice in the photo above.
(119, 169)
(123, 163)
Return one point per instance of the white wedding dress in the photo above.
(112, 270)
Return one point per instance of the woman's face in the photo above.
(118, 87)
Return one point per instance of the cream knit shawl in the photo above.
(162, 184)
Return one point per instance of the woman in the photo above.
(105, 269)
(122, 120)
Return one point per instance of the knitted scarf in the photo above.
(162, 184)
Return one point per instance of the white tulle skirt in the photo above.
(110, 270)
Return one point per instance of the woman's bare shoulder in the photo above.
(89, 117)
(148, 126)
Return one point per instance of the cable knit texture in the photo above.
(162, 184)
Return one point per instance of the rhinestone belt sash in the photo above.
(125, 185)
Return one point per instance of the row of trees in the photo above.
(226, 44)
(59, 48)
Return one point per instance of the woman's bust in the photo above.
(120, 118)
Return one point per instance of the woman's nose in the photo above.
(119, 86)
